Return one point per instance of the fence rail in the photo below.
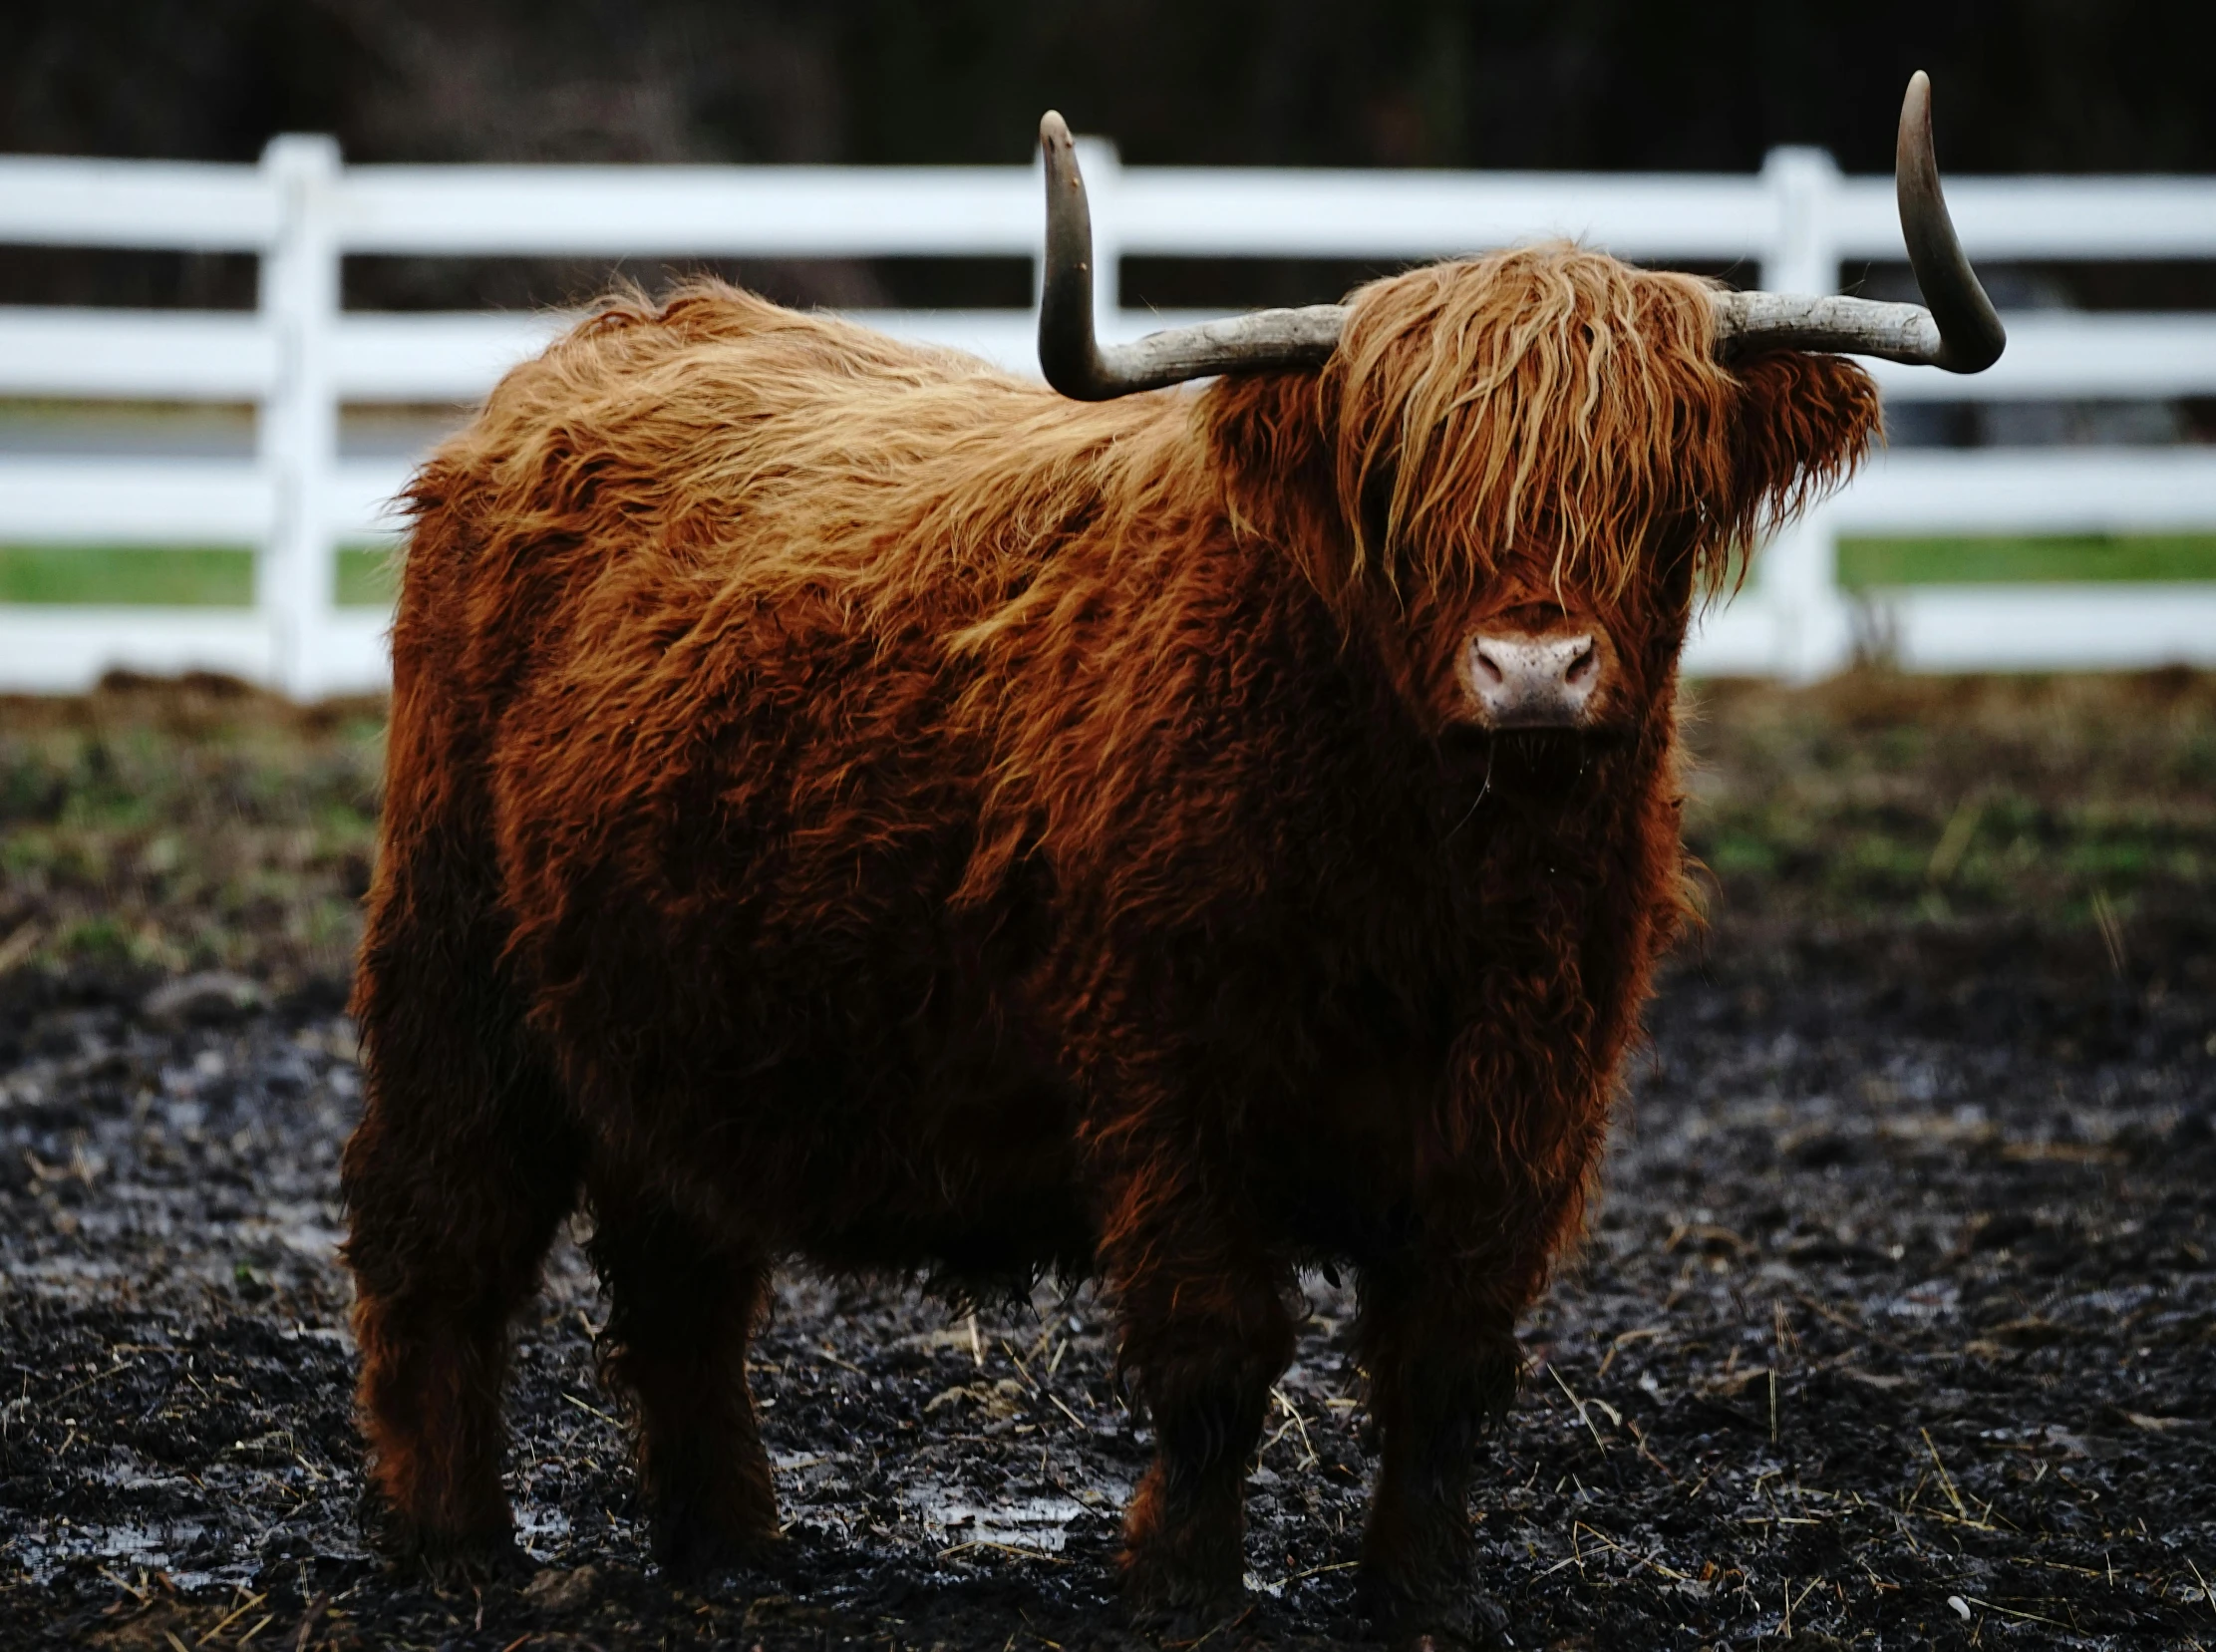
(299, 357)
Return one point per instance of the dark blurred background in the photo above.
(1607, 85)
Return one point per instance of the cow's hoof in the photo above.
(1176, 1625)
(458, 1557)
(1444, 1620)
(1177, 1605)
(694, 1551)
(478, 1550)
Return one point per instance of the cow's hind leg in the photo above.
(682, 1312)
(454, 1181)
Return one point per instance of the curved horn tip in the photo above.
(1054, 130)
(1915, 132)
(1955, 328)
(1971, 332)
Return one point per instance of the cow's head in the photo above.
(1518, 472)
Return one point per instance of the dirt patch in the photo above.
(1897, 1325)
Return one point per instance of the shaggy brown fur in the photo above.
(848, 803)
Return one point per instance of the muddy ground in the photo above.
(1896, 1327)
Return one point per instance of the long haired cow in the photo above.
(844, 803)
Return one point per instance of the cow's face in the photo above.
(1539, 650)
(1515, 475)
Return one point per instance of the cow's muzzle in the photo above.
(1555, 680)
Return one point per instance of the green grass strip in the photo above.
(188, 576)
(369, 575)
(161, 577)
(2017, 560)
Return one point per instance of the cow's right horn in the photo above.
(1959, 332)
(1071, 357)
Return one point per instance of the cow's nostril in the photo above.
(1520, 681)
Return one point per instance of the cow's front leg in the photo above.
(1441, 1351)
(1204, 1334)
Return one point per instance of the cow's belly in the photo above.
(957, 1166)
(982, 1183)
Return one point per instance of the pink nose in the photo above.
(1526, 682)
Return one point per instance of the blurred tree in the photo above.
(2026, 84)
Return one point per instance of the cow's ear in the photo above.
(1804, 420)
(1272, 460)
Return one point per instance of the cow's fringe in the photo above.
(1551, 393)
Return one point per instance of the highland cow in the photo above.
(848, 803)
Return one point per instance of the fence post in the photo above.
(1799, 584)
(1814, 625)
(296, 575)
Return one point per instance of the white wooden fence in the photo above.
(299, 356)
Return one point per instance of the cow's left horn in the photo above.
(1071, 357)
(1959, 332)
